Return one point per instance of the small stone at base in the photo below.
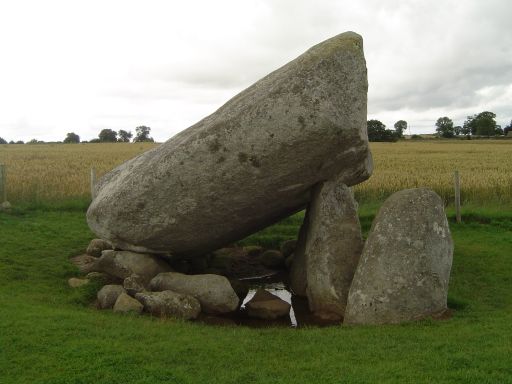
(75, 282)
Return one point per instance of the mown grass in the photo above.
(48, 334)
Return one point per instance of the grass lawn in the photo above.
(48, 334)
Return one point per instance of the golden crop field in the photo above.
(42, 172)
(56, 171)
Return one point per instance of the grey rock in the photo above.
(288, 247)
(289, 261)
(405, 267)
(135, 284)
(96, 246)
(249, 164)
(253, 250)
(100, 276)
(198, 264)
(126, 303)
(224, 258)
(76, 282)
(108, 295)
(333, 248)
(5, 206)
(123, 264)
(272, 259)
(169, 303)
(241, 289)
(85, 263)
(298, 278)
(214, 292)
(265, 305)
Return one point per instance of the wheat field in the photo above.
(50, 172)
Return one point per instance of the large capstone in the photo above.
(251, 163)
(405, 267)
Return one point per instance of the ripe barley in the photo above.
(49, 172)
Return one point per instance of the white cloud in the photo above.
(83, 66)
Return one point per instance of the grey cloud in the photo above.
(420, 56)
(472, 52)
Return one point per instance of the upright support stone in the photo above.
(298, 278)
(404, 270)
(333, 248)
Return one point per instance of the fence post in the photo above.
(93, 182)
(3, 183)
(457, 196)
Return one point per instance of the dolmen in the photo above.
(294, 140)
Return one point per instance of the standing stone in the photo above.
(298, 278)
(333, 248)
(249, 164)
(169, 303)
(123, 264)
(405, 267)
(214, 292)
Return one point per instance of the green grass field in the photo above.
(49, 334)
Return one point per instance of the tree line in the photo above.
(142, 134)
(481, 124)
(377, 130)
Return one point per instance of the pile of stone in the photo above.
(235, 262)
(296, 139)
(137, 283)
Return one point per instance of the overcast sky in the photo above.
(83, 66)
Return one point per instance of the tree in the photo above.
(482, 124)
(108, 136)
(485, 124)
(3, 141)
(457, 130)
(508, 129)
(124, 136)
(142, 134)
(445, 127)
(72, 137)
(20, 142)
(377, 132)
(400, 127)
(465, 130)
(35, 141)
